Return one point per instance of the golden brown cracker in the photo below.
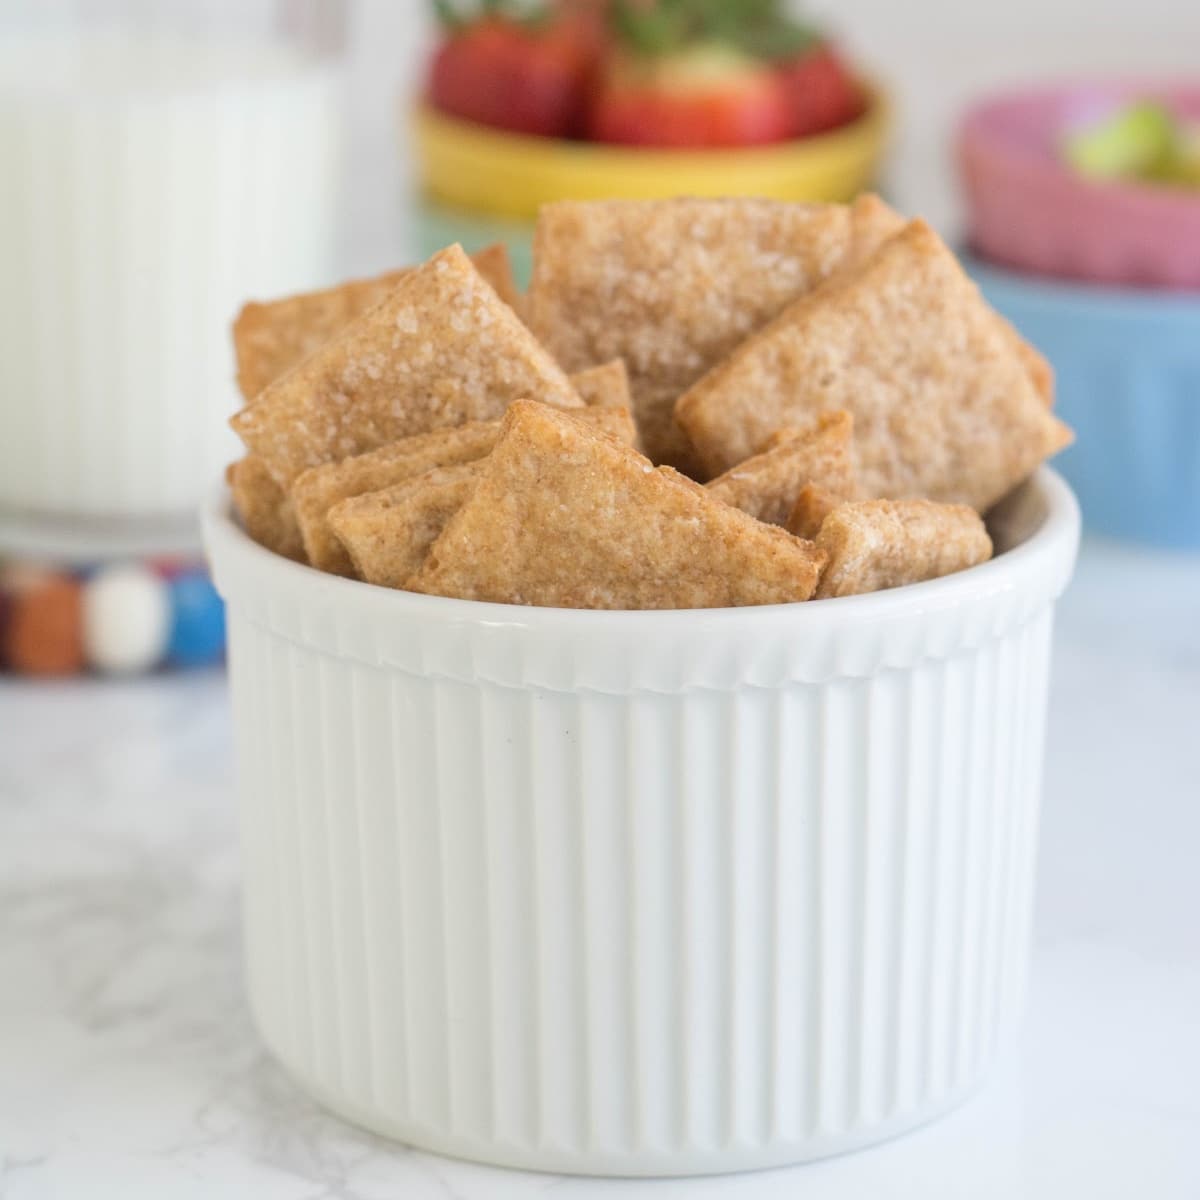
(440, 349)
(495, 265)
(877, 544)
(872, 222)
(565, 516)
(272, 337)
(813, 504)
(265, 509)
(672, 286)
(943, 407)
(1037, 366)
(315, 491)
(767, 484)
(388, 533)
(605, 386)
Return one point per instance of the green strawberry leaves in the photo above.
(453, 16)
(760, 28)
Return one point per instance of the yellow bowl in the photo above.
(488, 171)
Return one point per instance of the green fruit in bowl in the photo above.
(1142, 141)
(1184, 167)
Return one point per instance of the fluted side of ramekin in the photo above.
(635, 931)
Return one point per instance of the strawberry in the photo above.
(821, 92)
(514, 67)
(708, 95)
(708, 73)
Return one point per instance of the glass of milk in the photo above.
(161, 161)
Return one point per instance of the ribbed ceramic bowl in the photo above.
(1030, 210)
(483, 185)
(1128, 381)
(641, 893)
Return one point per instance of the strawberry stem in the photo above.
(453, 16)
(761, 28)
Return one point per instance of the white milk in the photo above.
(147, 188)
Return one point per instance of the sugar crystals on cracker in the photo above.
(672, 286)
(271, 337)
(564, 516)
(440, 349)
(943, 404)
(767, 484)
(877, 544)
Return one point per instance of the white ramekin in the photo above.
(641, 893)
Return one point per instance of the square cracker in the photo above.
(565, 516)
(440, 349)
(265, 508)
(316, 491)
(672, 286)
(389, 533)
(813, 504)
(605, 386)
(877, 544)
(271, 338)
(768, 484)
(943, 405)
(874, 222)
(386, 534)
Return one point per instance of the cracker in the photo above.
(439, 350)
(767, 484)
(388, 534)
(1037, 366)
(943, 407)
(565, 516)
(873, 222)
(271, 338)
(605, 386)
(494, 264)
(813, 504)
(672, 286)
(316, 491)
(877, 544)
(265, 508)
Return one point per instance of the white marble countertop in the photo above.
(129, 1067)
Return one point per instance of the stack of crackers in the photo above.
(698, 403)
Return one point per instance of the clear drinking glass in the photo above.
(160, 162)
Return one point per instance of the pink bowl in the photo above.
(1029, 210)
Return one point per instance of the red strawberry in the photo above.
(708, 95)
(525, 74)
(821, 92)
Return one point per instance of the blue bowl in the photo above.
(1128, 368)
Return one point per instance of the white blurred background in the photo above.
(935, 55)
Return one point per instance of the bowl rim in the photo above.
(876, 114)
(1058, 532)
